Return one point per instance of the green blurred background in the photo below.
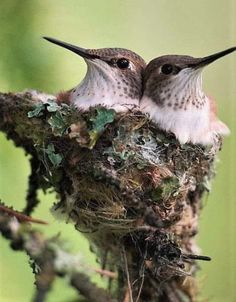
(151, 28)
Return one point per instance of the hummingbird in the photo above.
(174, 98)
(113, 78)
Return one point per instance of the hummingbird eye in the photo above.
(167, 69)
(123, 63)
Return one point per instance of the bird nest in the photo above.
(118, 173)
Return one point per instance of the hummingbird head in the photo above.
(176, 81)
(114, 76)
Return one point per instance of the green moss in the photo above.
(103, 117)
(55, 158)
(167, 189)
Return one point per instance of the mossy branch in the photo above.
(45, 254)
(133, 189)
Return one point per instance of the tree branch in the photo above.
(44, 255)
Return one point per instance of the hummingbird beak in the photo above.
(78, 50)
(201, 62)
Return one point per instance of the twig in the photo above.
(196, 257)
(33, 185)
(88, 289)
(140, 288)
(40, 295)
(127, 273)
(18, 215)
(106, 273)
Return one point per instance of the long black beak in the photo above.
(78, 50)
(201, 62)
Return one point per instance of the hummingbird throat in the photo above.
(101, 85)
(184, 110)
(184, 91)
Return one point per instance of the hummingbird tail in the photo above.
(220, 128)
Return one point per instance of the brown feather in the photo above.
(64, 97)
